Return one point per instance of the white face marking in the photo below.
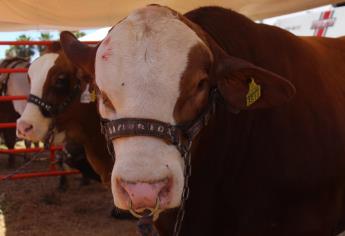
(139, 66)
(38, 72)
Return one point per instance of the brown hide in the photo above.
(80, 121)
(7, 112)
(269, 172)
(277, 171)
(7, 115)
(82, 124)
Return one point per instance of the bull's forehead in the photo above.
(140, 63)
(38, 72)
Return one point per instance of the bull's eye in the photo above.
(61, 82)
(202, 84)
(62, 76)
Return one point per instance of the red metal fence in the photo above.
(52, 169)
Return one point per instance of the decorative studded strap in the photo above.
(45, 108)
(178, 135)
(140, 127)
(49, 110)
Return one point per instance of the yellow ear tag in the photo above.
(254, 93)
(93, 95)
(87, 96)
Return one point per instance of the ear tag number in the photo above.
(254, 92)
(86, 96)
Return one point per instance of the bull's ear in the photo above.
(55, 47)
(80, 54)
(246, 86)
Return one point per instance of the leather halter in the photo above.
(49, 110)
(178, 135)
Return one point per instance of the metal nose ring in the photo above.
(153, 211)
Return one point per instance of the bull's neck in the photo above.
(90, 116)
(240, 37)
(217, 143)
(87, 126)
(84, 127)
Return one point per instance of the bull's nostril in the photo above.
(24, 128)
(145, 194)
(27, 129)
(165, 190)
(20, 133)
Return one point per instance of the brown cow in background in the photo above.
(12, 85)
(66, 88)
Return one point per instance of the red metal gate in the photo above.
(52, 167)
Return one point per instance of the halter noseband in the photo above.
(49, 110)
(179, 135)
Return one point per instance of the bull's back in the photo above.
(327, 55)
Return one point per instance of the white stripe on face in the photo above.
(142, 60)
(38, 72)
(139, 66)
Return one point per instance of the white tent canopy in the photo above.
(80, 14)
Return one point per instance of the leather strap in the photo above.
(179, 135)
(45, 108)
(49, 110)
(126, 127)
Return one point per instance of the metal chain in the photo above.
(109, 143)
(22, 167)
(145, 226)
(49, 138)
(185, 193)
(187, 173)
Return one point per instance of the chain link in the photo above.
(185, 193)
(22, 167)
(109, 143)
(48, 141)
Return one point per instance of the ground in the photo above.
(34, 206)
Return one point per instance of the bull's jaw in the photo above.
(33, 117)
(147, 169)
(59, 138)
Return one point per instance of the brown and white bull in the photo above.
(54, 80)
(268, 162)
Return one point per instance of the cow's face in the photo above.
(51, 78)
(144, 70)
(156, 64)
